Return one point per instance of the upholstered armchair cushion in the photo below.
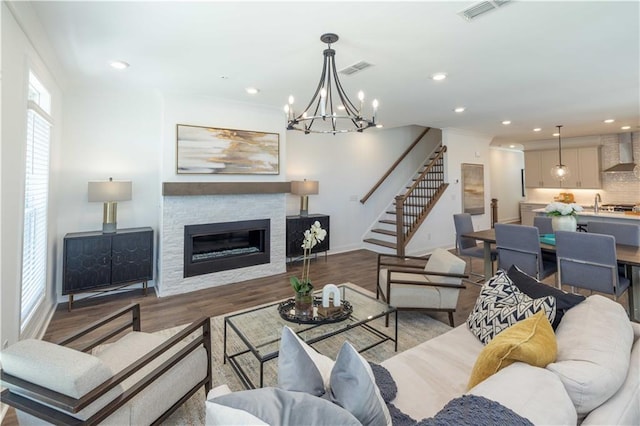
(61, 369)
(408, 295)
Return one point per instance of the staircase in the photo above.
(412, 206)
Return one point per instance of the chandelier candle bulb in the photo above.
(323, 100)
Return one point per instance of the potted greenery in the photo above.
(302, 286)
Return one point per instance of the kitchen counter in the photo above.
(586, 216)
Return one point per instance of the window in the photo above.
(36, 191)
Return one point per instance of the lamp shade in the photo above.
(304, 187)
(110, 191)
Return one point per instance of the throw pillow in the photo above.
(353, 387)
(274, 406)
(443, 261)
(350, 379)
(300, 367)
(500, 305)
(530, 340)
(535, 289)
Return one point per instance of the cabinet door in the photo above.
(571, 160)
(533, 179)
(548, 160)
(132, 257)
(589, 167)
(295, 234)
(86, 264)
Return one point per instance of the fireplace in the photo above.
(215, 247)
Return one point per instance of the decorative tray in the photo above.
(288, 313)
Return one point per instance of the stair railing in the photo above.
(394, 165)
(409, 216)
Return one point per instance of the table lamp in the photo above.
(304, 189)
(110, 192)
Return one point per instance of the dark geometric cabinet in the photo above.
(94, 261)
(296, 225)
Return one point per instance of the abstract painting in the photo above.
(209, 150)
(473, 188)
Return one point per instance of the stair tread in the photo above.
(406, 213)
(384, 231)
(388, 221)
(380, 242)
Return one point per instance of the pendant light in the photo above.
(560, 171)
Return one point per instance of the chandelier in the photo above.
(560, 171)
(330, 109)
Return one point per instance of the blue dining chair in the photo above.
(468, 246)
(520, 245)
(588, 260)
(543, 223)
(624, 233)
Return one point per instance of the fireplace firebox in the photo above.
(216, 247)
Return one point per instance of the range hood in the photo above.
(626, 164)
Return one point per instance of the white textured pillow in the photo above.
(300, 367)
(443, 261)
(353, 387)
(594, 347)
(61, 369)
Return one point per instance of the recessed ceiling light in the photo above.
(460, 109)
(537, 129)
(252, 90)
(341, 107)
(506, 122)
(119, 65)
(438, 76)
(555, 134)
(379, 126)
(512, 146)
(625, 127)
(609, 120)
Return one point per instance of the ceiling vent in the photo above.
(481, 8)
(357, 67)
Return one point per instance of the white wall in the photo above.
(347, 166)
(109, 134)
(18, 56)
(506, 182)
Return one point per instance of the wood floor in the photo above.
(358, 267)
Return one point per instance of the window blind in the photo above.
(34, 243)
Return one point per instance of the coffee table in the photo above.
(260, 329)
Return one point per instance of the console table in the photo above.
(296, 225)
(94, 261)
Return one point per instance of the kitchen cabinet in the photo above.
(537, 169)
(583, 164)
(584, 167)
(94, 261)
(527, 212)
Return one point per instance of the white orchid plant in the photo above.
(562, 209)
(312, 237)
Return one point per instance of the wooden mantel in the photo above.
(224, 188)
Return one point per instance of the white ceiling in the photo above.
(535, 63)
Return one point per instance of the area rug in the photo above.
(413, 328)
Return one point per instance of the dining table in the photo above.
(628, 256)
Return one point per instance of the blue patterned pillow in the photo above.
(501, 304)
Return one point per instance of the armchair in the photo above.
(418, 283)
(140, 378)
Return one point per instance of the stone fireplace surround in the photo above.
(188, 203)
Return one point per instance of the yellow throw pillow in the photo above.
(531, 340)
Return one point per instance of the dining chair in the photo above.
(588, 260)
(543, 223)
(520, 245)
(624, 233)
(468, 246)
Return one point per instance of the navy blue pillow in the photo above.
(535, 289)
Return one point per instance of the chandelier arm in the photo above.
(349, 107)
(318, 89)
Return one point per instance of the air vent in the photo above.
(357, 67)
(481, 8)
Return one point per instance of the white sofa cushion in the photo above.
(443, 261)
(64, 370)
(432, 373)
(594, 348)
(532, 392)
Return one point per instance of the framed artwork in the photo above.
(210, 150)
(473, 188)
